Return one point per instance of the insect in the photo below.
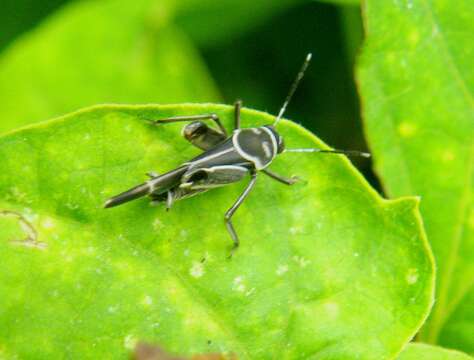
(226, 159)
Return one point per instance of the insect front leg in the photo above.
(282, 179)
(233, 209)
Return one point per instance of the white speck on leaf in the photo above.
(130, 342)
(412, 276)
(282, 269)
(72, 206)
(157, 224)
(29, 215)
(301, 261)
(238, 284)
(197, 270)
(332, 309)
(295, 230)
(48, 223)
(147, 300)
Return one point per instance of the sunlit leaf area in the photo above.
(174, 110)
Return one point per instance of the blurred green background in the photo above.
(258, 63)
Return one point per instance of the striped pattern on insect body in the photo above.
(225, 160)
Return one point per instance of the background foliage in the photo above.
(415, 85)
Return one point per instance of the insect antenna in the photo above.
(336, 151)
(293, 88)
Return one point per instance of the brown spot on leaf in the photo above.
(145, 351)
(31, 235)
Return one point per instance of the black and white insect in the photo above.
(226, 159)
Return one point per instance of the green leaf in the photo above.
(325, 267)
(416, 351)
(99, 52)
(341, 2)
(210, 22)
(417, 84)
(18, 16)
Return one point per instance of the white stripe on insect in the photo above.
(266, 148)
(256, 161)
(209, 157)
(223, 167)
(274, 141)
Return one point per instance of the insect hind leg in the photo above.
(202, 136)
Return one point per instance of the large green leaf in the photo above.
(209, 22)
(416, 351)
(99, 52)
(325, 267)
(18, 16)
(417, 85)
(341, 2)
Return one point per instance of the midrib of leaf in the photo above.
(441, 313)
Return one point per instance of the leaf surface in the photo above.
(417, 84)
(418, 351)
(325, 267)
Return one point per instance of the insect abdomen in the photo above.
(157, 185)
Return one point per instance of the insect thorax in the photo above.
(258, 145)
